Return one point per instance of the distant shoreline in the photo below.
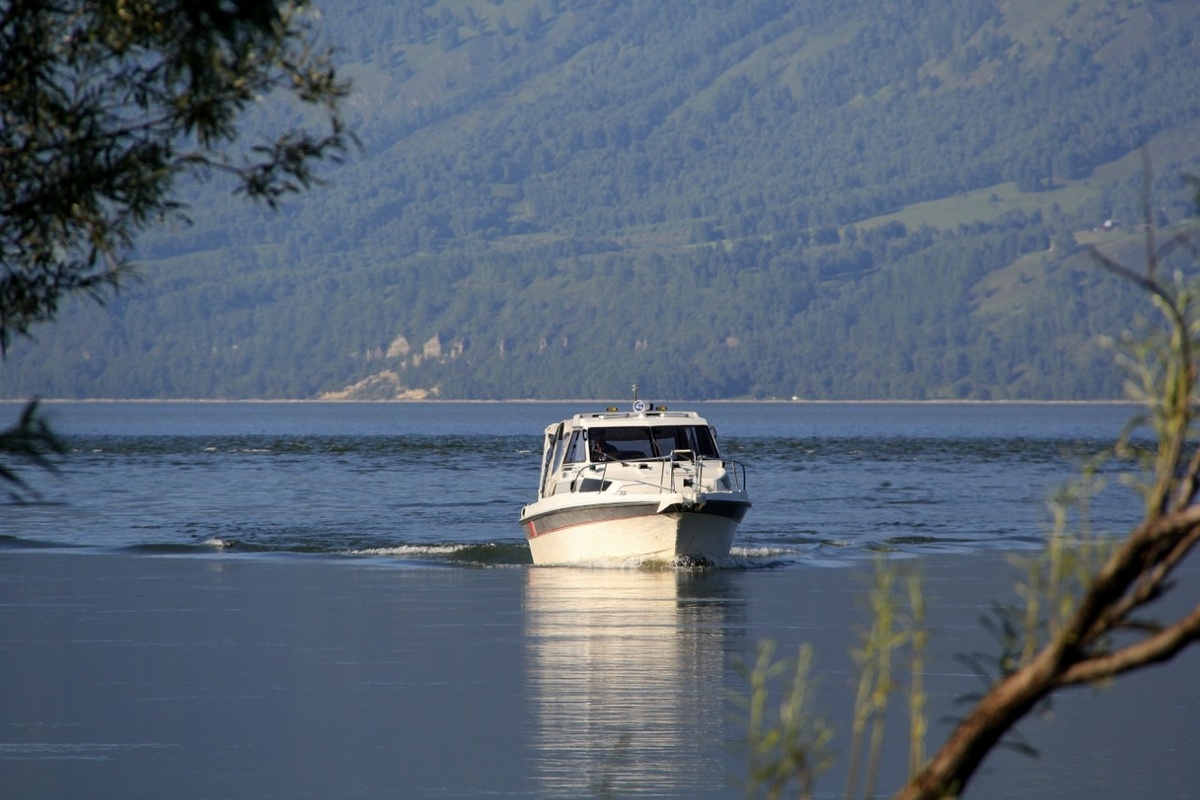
(449, 401)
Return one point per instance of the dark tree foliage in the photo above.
(30, 441)
(106, 104)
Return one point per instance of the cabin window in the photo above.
(632, 443)
(620, 444)
(697, 439)
(575, 450)
(703, 442)
(554, 452)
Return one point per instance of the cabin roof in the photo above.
(617, 419)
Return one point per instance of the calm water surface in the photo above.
(436, 482)
(335, 600)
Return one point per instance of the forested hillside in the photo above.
(877, 199)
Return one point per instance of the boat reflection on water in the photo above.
(626, 673)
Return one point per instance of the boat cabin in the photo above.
(623, 437)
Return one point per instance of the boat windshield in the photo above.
(576, 449)
(658, 441)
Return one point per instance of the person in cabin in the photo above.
(601, 449)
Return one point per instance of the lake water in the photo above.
(335, 600)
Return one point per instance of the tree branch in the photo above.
(1136, 573)
(1163, 646)
(30, 440)
(1143, 562)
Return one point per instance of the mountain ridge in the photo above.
(774, 200)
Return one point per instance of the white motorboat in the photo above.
(641, 485)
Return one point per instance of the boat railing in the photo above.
(735, 471)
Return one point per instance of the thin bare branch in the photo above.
(1158, 648)
(1163, 555)
(1148, 217)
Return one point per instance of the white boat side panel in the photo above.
(648, 537)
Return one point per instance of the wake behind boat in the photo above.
(645, 485)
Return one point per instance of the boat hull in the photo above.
(658, 530)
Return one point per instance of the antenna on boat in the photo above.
(638, 406)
